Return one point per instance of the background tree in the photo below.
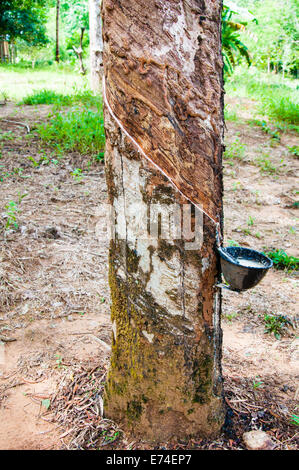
(75, 15)
(95, 44)
(163, 71)
(23, 19)
(232, 47)
(274, 42)
(57, 54)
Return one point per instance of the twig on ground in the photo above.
(17, 123)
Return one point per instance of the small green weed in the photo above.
(273, 133)
(283, 261)
(232, 243)
(109, 436)
(11, 215)
(234, 151)
(257, 383)
(265, 164)
(9, 135)
(294, 150)
(276, 324)
(77, 174)
(231, 316)
(12, 210)
(250, 221)
(295, 420)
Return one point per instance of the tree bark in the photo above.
(95, 45)
(163, 74)
(57, 54)
(79, 52)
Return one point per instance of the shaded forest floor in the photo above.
(54, 297)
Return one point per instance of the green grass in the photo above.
(277, 98)
(283, 261)
(79, 129)
(47, 96)
(234, 151)
(17, 81)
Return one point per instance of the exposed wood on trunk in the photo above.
(163, 70)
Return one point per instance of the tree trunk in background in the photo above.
(79, 52)
(163, 73)
(95, 45)
(57, 55)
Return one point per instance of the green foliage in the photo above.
(294, 150)
(232, 46)
(230, 114)
(274, 40)
(75, 15)
(80, 129)
(46, 403)
(277, 324)
(283, 261)
(274, 133)
(20, 80)
(77, 174)
(11, 215)
(282, 108)
(257, 383)
(12, 210)
(265, 164)
(277, 97)
(232, 243)
(295, 420)
(234, 151)
(23, 19)
(46, 96)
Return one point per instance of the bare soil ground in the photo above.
(54, 296)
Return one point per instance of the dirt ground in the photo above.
(54, 296)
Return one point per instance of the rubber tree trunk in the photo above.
(95, 45)
(163, 74)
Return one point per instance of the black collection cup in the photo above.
(243, 268)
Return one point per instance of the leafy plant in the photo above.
(46, 403)
(256, 383)
(268, 130)
(231, 316)
(77, 174)
(11, 215)
(250, 221)
(294, 150)
(232, 243)
(232, 46)
(277, 324)
(265, 164)
(283, 261)
(295, 420)
(234, 151)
